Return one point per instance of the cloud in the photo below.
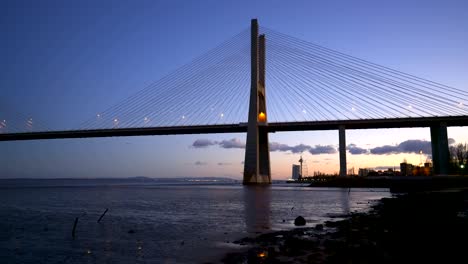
(300, 148)
(319, 149)
(385, 150)
(414, 146)
(200, 163)
(355, 150)
(233, 143)
(224, 163)
(275, 146)
(408, 146)
(202, 143)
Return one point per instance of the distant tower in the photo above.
(300, 161)
(420, 158)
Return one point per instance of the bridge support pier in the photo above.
(342, 150)
(440, 149)
(257, 150)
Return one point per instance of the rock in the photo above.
(331, 224)
(319, 227)
(299, 221)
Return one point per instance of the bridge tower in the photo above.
(440, 149)
(257, 151)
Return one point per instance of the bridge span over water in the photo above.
(242, 128)
(310, 88)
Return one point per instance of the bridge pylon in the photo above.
(440, 149)
(257, 150)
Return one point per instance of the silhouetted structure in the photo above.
(257, 153)
(296, 172)
(406, 169)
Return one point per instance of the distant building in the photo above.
(296, 172)
(406, 169)
(363, 172)
(423, 171)
(427, 169)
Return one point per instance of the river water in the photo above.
(152, 222)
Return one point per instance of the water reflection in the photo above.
(257, 201)
(345, 196)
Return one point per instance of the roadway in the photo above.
(242, 127)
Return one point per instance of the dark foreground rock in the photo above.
(413, 228)
(299, 221)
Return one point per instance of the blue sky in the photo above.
(64, 61)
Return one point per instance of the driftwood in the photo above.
(99, 220)
(74, 227)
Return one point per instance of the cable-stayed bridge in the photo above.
(309, 87)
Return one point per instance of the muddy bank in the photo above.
(416, 227)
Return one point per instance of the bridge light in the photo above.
(462, 166)
(410, 106)
(460, 104)
(146, 119)
(304, 111)
(353, 109)
(116, 120)
(262, 117)
(221, 115)
(183, 117)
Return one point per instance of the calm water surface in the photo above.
(154, 223)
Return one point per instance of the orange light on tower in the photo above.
(262, 254)
(261, 117)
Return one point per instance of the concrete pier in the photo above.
(342, 150)
(440, 149)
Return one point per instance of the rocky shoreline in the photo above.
(395, 183)
(415, 227)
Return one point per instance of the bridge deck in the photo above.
(237, 128)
